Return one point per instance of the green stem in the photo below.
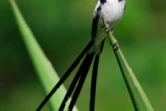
(137, 95)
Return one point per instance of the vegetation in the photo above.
(62, 30)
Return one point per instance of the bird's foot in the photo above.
(116, 46)
(107, 28)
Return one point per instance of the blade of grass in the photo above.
(46, 73)
(137, 95)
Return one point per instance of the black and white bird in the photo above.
(111, 11)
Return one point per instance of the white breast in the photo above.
(112, 11)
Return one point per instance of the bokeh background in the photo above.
(62, 28)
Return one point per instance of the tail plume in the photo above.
(93, 83)
(65, 76)
(79, 79)
(81, 76)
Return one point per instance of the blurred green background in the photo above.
(62, 28)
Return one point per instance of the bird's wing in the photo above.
(97, 33)
(94, 26)
(95, 20)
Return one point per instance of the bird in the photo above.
(110, 11)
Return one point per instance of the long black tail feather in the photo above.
(79, 78)
(94, 79)
(81, 74)
(83, 71)
(93, 83)
(65, 76)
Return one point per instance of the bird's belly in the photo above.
(112, 12)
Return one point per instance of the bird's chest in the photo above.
(112, 10)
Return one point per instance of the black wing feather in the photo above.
(94, 27)
(95, 23)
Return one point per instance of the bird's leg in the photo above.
(107, 28)
(116, 44)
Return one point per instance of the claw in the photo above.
(116, 46)
(107, 28)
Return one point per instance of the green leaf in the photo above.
(137, 95)
(45, 71)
